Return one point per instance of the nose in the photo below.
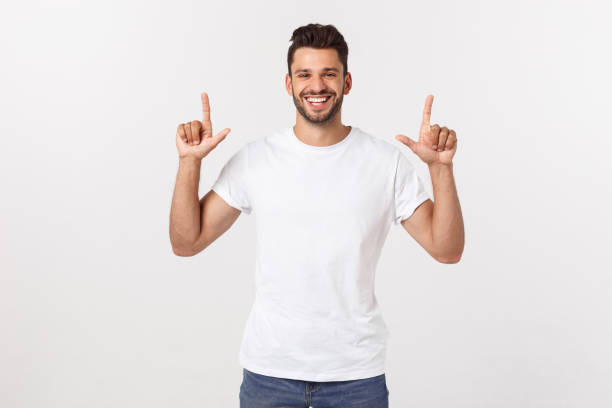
(317, 84)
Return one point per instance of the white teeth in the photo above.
(316, 99)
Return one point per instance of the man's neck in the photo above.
(320, 134)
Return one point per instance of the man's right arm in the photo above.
(195, 224)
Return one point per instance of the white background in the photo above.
(96, 310)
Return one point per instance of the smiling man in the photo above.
(318, 79)
(324, 196)
(326, 102)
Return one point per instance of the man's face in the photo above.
(317, 83)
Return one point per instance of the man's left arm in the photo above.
(437, 226)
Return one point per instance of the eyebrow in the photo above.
(297, 71)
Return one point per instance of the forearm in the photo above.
(185, 210)
(447, 224)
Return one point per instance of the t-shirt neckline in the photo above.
(334, 146)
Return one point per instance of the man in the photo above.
(324, 197)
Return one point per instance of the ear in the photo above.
(288, 85)
(348, 83)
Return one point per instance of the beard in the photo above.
(319, 118)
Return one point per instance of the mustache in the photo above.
(330, 92)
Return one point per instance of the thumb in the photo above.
(221, 135)
(407, 141)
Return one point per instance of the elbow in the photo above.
(187, 250)
(448, 255)
(182, 252)
(182, 247)
(449, 258)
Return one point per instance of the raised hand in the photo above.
(436, 145)
(196, 138)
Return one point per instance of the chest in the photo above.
(324, 194)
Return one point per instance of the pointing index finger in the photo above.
(427, 109)
(205, 108)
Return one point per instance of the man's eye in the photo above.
(331, 74)
(302, 75)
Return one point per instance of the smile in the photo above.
(317, 102)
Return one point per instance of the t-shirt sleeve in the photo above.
(409, 189)
(232, 184)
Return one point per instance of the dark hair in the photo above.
(318, 36)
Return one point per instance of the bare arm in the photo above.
(438, 226)
(195, 223)
(185, 210)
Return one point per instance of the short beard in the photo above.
(324, 120)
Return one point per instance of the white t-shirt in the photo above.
(322, 214)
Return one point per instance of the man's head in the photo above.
(317, 75)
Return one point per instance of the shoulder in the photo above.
(275, 139)
(376, 145)
(257, 152)
(257, 145)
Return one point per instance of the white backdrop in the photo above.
(96, 310)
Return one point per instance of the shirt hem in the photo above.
(222, 192)
(409, 209)
(306, 376)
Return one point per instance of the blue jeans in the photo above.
(261, 391)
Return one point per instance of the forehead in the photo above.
(315, 59)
